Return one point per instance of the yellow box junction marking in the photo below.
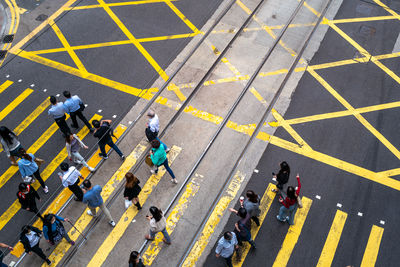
(15, 103)
(83, 221)
(118, 231)
(5, 85)
(51, 167)
(155, 247)
(387, 9)
(117, 4)
(65, 194)
(332, 241)
(214, 219)
(372, 249)
(293, 234)
(265, 204)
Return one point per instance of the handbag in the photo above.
(81, 106)
(299, 203)
(128, 203)
(39, 161)
(149, 161)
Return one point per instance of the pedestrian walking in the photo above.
(93, 199)
(57, 111)
(103, 131)
(226, 246)
(289, 204)
(53, 229)
(70, 178)
(30, 238)
(26, 196)
(158, 156)
(252, 206)
(73, 145)
(10, 143)
(74, 107)
(28, 168)
(135, 260)
(152, 126)
(132, 190)
(243, 227)
(158, 223)
(282, 177)
(2, 254)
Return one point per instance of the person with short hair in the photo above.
(53, 229)
(159, 157)
(226, 246)
(152, 126)
(70, 178)
(132, 190)
(10, 143)
(57, 111)
(158, 223)
(28, 168)
(93, 199)
(73, 106)
(243, 226)
(26, 196)
(135, 260)
(73, 145)
(30, 238)
(103, 131)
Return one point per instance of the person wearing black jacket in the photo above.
(103, 131)
(26, 196)
(135, 260)
(282, 177)
(132, 190)
(30, 238)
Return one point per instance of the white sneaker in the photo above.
(46, 189)
(89, 212)
(174, 181)
(152, 171)
(112, 223)
(91, 169)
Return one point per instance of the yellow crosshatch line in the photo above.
(117, 4)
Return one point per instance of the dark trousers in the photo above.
(109, 142)
(39, 178)
(256, 220)
(80, 115)
(62, 124)
(36, 249)
(165, 163)
(35, 210)
(75, 188)
(229, 261)
(150, 135)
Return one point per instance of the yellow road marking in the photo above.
(372, 249)
(155, 247)
(214, 220)
(117, 4)
(177, 91)
(66, 45)
(83, 221)
(293, 234)
(126, 218)
(10, 107)
(51, 167)
(265, 204)
(5, 85)
(181, 16)
(351, 20)
(393, 172)
(387, 9)
(332, 241)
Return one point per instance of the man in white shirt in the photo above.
(70, 178)
(152, 126)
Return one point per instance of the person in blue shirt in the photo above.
(73, 106)
(226, 246)
(93, 199)
(53, 229)
(28, 168)
(57, 111)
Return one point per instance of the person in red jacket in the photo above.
(26, 196)
(289, 204)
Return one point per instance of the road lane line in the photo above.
(372, 249)
(5, 85)
(332, 241)
(118, 231)
(10, 107)
(293, 234)
(118, 4)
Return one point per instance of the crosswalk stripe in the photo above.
(265, 204)
(155, 247)
(126, 218)
(372, 249)
(293, 234)
(332, 241)
(15, 103)
(65, 194)
(213, 220)
(83, 221)
(32, 149)
(53, 165)
(5, 85)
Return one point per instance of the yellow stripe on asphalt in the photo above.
(83, 221)
(214, 220)
(118, 4)
(265, 204)
(51, 167)
(293, 234)
(117, 232)
(155, 247)
(332, 241)
(372, 249)
(15, 103)
(65, 194)
(5, 85)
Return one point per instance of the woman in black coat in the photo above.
(26, 196)
(30, 238)
(132, 190)
(282, 177)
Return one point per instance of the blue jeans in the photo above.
(112, 145)
(284, 212)
(165, 163)
(164, 232)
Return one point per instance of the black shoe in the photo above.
(77, 199)
(104, 157)
(138, 206)
(74, 126)
(91, 130)
(123, 157)
(48, 261)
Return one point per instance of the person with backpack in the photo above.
(158, 223)
(73, 145)
(252, 206)
(132, 190)
(226, 247)
(135, 260)
(10, 143)
(243, 227)
(70, 178)
(282, 177)
(28, 168)
(158, 156)
(103, 132)
(26, 196)
(74, 106)
(30, 238)
(57, 111)
(289, 204)
(53, 229)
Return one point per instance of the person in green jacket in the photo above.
(159, 157)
